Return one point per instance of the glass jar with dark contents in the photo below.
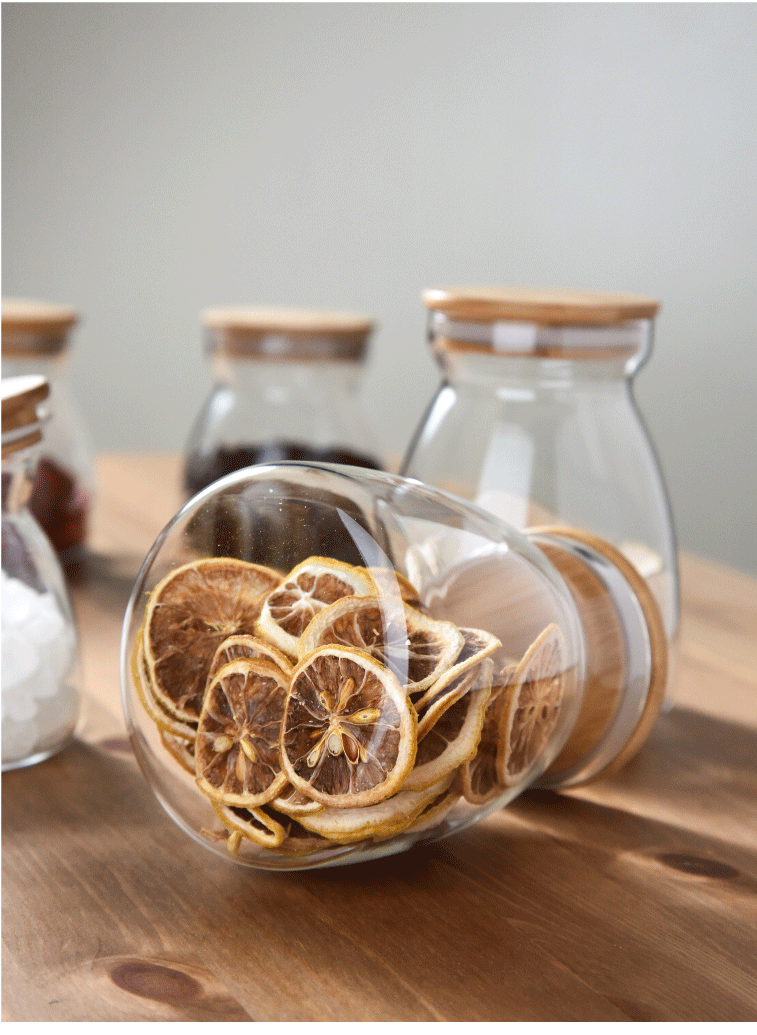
(285, 388)
(36, 342)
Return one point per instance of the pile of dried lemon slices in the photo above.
(326, 707)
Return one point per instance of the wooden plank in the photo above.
(394, 940)
(720, 618)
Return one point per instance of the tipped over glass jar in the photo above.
(410, 666)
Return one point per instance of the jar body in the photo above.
(40, 695)
(64, 478)
(545, 440)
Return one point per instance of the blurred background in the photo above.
(162, 158)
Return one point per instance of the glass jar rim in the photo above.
(531, 339)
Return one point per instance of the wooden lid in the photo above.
(272, 333)
(553, 308)
(35, 327)
(658, 644)
(21, 422)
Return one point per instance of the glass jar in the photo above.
(40, 699)
(36, 341)
(285, 388)
(535, 419)
(422, 673)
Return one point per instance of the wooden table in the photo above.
(634, 898)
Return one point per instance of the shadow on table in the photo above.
(106, 579)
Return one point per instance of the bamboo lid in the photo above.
(545, 307)
(288, 333)
(21, 423)
(635, 735)
(31, 327)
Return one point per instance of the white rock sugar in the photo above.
(38, 652)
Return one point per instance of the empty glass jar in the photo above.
(535, 419)
(40, 699)
(413, 665)
(36, 340)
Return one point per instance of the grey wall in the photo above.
(160, 158)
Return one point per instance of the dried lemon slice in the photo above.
(478, 775)
(452, 740)
(294, 803)
(301, 841)
(183, 751)
(162, 718)
(477, 645)
(245, 646)
(383, 820)
(389, 581)
(416, 648)
(237, 749)
(531, 706)
(253, 824)
(473, 667)
(309, 587)
(435, 811)
(457, 689)
(348, 734)
(188, 615)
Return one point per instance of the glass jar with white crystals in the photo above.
(40, 696)
(535, 419)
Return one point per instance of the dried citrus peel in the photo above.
(532, 708)
(348, 735)
(416, 648)
(366, 737)
(253, 824)
(189, 613)
(379, 821)
(237, 752)
(312, 585)
(163, 719)
(244, 645)
(452, 741)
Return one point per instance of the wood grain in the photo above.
(631, 899)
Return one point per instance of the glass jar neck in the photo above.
(507, 351)
(294, 376)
